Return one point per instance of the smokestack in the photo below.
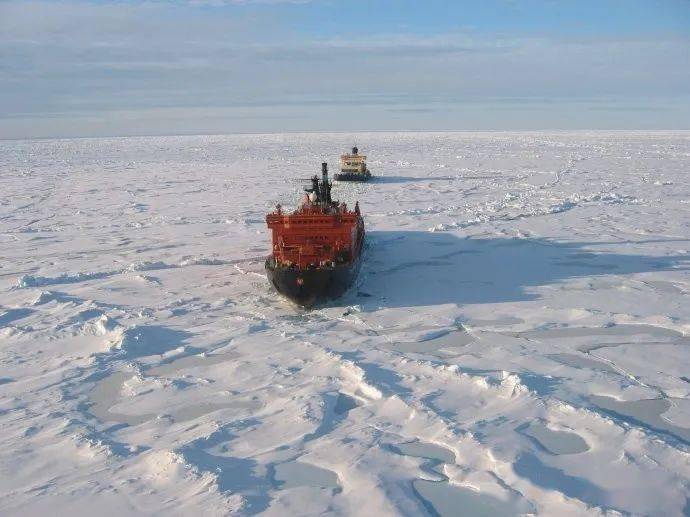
(324, 184)
(355, 150)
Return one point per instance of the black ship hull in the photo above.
(353, 176)
(307, 287)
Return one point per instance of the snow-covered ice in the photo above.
(517, 341)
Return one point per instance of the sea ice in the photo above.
(517, 341)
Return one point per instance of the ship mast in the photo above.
(321, 189)
(325, 184)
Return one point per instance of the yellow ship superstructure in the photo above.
(353, 167)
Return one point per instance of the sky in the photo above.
(106, 68)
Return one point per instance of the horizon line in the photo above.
(340, 132)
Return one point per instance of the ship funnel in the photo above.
(355, 150)
(324, 172)
(326, 191)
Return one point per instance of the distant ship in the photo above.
(353, 167)
(317, 248)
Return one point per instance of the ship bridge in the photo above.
(353, 162)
